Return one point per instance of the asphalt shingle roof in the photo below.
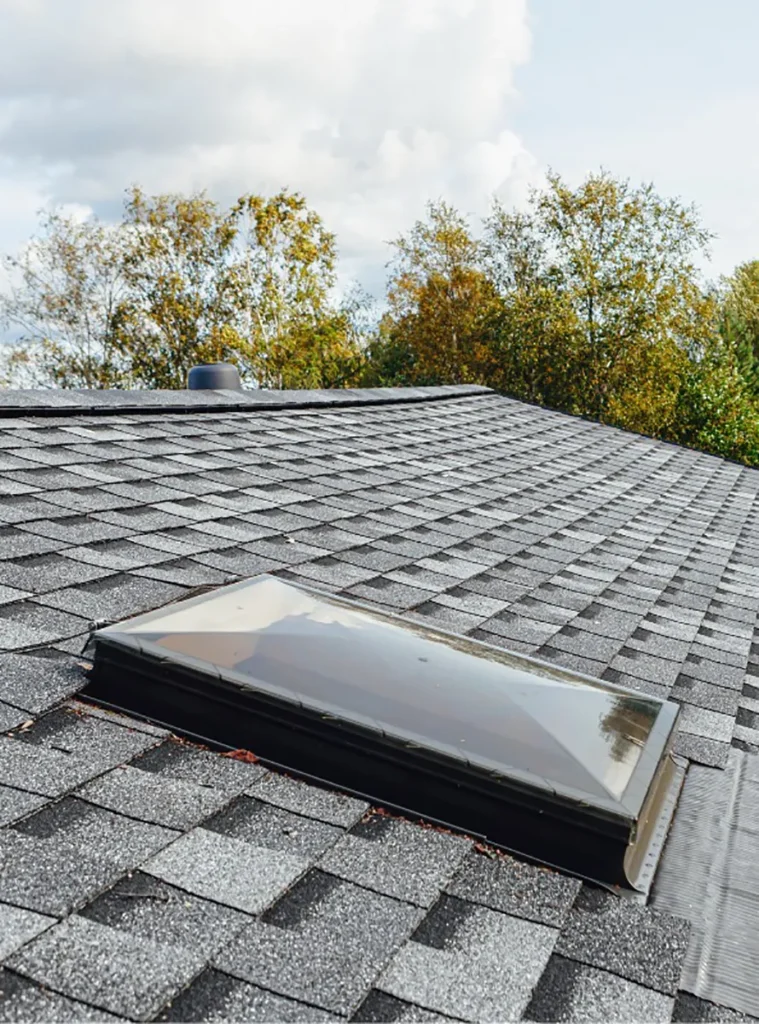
(145, 877)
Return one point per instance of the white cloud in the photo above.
(369, 107)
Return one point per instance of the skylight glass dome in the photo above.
(560, 767)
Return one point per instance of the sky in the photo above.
(372, 108)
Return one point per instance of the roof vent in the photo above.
(214, 377)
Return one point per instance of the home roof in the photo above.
(143, 876)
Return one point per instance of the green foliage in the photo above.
(181, 282)
(739, 321)
(600, 282)
(62, 296)
(588, 301)
(439, 301)
(715, 411)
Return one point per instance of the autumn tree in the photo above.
(182, 295)
(60, 300)
(179, 282)
(602, 301)
(285, 273)
(438, 300)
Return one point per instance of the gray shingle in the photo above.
(701, 749)
(226, 870)
(323, 943)
(11, 716)
(47, 772)
(638, 943)
(25, 1002)
(17, 803)
(18, 927)
(470, 962)
(27, 624)
(692, 1010)
(711, 725)
(379, 1006)
(108, 968)
(189, 763)
(60, 857)
(156, 798)
(397, 858)
(214, 996)
(148, 908)
(312, 801)
(273, 828)
(523, 890)
(113, 598)
(569, 991)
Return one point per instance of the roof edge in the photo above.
(57, 402)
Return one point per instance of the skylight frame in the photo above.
(611, 820)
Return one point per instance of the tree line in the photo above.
(589, 300)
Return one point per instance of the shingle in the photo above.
(107, 968)
(24, 1002)
(324, 942)
(116, 597)
(175, 759)
(273, 828)
(638, 943)
(383, 590)
(18, 927)
(11, 716)
(690, 1009)
(226, 870)
(569, 991)
(214, 996)
(91, 740)
(75, 529)
(441, 617)
(17, 803)
(42, 771)
(155, 798)
(26, 624)
(148, 908)
(514, 887)
(470, 962)
(648, 667)
(312, 801)
(711, 725)
(39, 574)
(379, 1006)
(705, 695)
(397, 858)
(66, 853)
(700, 749)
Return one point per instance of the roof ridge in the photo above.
(54, 402)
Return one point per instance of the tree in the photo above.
(286, 276)
(439, 301)
(716, 411)
(182, 295)
(739, 320)
(63, 293)
(179, 282)
(601, 284)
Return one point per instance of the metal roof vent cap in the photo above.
(214, 377)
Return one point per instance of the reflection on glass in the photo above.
(495, 709)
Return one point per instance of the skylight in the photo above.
(560, 767)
